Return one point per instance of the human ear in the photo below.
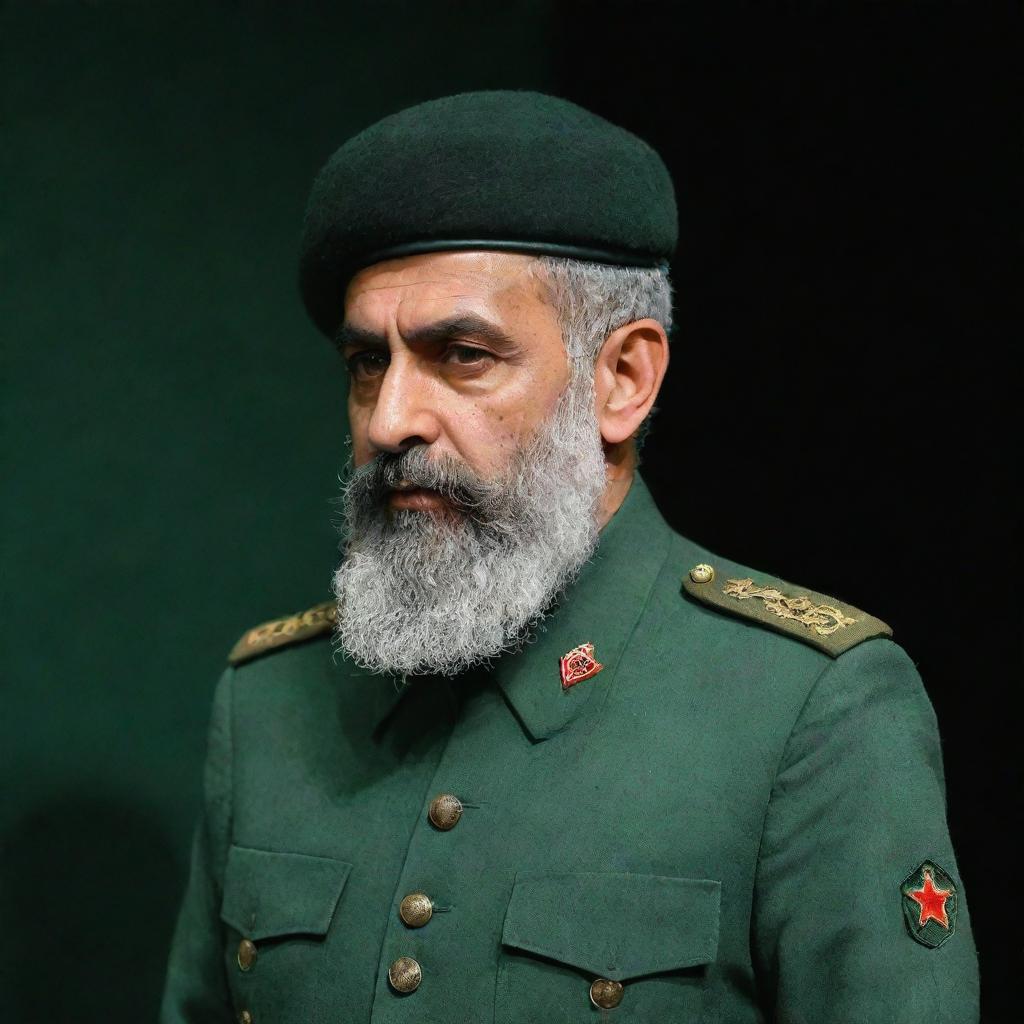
(628, 374)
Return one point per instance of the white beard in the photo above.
(425, 593)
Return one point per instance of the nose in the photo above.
(403, 415)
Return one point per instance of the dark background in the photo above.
(838, 411)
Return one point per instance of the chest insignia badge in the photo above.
(579, 664)
(929, 905)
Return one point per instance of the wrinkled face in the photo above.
(456, 350)
(477, 465)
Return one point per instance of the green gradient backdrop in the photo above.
(173, 425)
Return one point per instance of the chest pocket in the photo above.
(652, 934)
(279, 908)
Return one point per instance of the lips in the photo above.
(420, 499)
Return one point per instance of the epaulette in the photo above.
(268, 636)
(821, 621)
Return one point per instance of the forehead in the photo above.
(415, 289)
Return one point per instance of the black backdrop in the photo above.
(838, 411)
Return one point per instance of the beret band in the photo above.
(506, 170)
(577, 252)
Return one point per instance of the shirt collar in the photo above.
(602, 607)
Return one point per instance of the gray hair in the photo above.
(594, 299)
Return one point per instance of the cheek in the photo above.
(486, 434)
(358, 422)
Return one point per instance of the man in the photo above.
(541, 758)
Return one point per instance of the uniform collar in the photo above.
(602, 607)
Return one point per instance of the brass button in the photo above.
(605, 994)
(702, 573)
(246, 954)
(445, 811)
(405, 974)
(416, 909)
(244, 1017)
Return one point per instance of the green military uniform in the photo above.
(700, 794)
(739, 817)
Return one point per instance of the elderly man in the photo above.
(540, 758)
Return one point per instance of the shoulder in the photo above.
(764, 601)
(284, 632)
(803, 659)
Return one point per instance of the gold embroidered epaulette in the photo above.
(818, 620)
(268, 636)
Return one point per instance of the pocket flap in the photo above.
(268, 894)
(615, 925)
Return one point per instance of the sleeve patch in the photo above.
(929, 900)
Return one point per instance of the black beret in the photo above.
(502, 169)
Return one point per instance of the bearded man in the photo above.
(513, 770)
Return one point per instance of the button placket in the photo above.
(428, 882)
(416, 909)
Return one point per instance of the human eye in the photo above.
(467, 355)
(367, 365)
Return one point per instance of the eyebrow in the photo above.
(456, 325)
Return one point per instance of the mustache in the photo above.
(368, 486)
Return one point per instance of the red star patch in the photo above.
(579, 664)
(932, 901)
(929, 900)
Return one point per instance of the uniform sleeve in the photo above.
(195, 990)
(856, 820)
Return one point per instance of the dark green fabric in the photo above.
(710, 756)
(268, 894)
(614, 924)
(507, 169)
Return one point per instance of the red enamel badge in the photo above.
(579, 664)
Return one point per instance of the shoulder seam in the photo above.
(815, 682)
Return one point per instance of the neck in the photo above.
(620, 465)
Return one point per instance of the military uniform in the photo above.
(714, 801)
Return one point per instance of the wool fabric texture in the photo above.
(497, 169)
